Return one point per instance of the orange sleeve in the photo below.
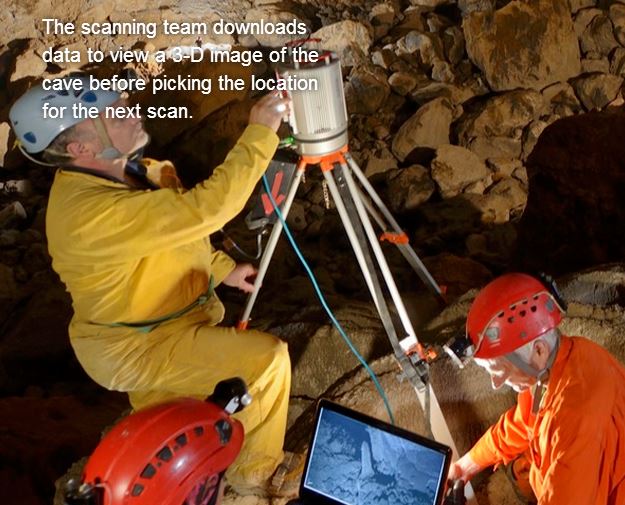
(507, 438)
(573, 467)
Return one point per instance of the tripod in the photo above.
(356, 200)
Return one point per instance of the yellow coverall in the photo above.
(128, 255)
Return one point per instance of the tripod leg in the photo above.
(357, 239)
(432, 410)
(269, 249)
(405, 249)
(377, 251)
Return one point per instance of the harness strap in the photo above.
(149, 324)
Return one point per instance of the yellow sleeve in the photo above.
(506, 439)
(221, 266)
(132, 224)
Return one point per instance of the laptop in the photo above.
(354, 459)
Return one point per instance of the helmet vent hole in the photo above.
(512, 307)
(535, 297)
(199, 431)
(148, 472)
(533, 308)
(501, 314)
(164, 454)
(137, 489)
(181, 440)
(511, 319)
(522, 313)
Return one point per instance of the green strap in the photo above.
(148, 325)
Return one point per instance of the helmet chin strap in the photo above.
(110, 152)
(542, 376)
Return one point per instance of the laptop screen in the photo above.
(354, 459)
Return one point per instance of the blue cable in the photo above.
(324, 303)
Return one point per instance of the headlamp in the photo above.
(460, 349)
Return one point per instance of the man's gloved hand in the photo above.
(464, 469)
(270, 110)
(455, 495)
(238, 278)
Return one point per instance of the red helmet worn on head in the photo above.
(509, 312)
(158, 455)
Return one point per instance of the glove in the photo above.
(455, 495)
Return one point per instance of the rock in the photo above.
(495, 147)
(457, 274)
(11, 214)
(520, 174)
(493, 246)
(426, 47)
(413, 21)
(469, 6)
(408, 188)
(436, 23)
(597, 90)
(296, 220)
(595, 66)
(29, 63)
(453, 42)
(349, 39)
(598, 37)
(503, 115)
(403, 83)
(576, 180)
(381, 17)
(383, 57)
(428, 127)
(617, 62)
(514, 193)
(583, 19)
(367, 90)
(503, 167)
(562, 100)
(479, 187)
(550, 46)
(379, 161)
(532, 133)
(577, 5)
(5, 134)
(617, 16)
(96, 12)
(454, 93)
(429, 3)
(8, 287)
(442, 72)
(454, 168)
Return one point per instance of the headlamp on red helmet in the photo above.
(507, 313)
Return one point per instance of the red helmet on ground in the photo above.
(511, 311)
(160, 454)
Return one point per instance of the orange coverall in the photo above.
(576, 442)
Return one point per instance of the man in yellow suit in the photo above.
(132, 247)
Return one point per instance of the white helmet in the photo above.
(35, 132)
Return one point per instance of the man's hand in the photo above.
(238, 277)
(270, 110)
(464, 469)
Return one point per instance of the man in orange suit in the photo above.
(568, 427)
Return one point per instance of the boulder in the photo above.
(537, 35)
